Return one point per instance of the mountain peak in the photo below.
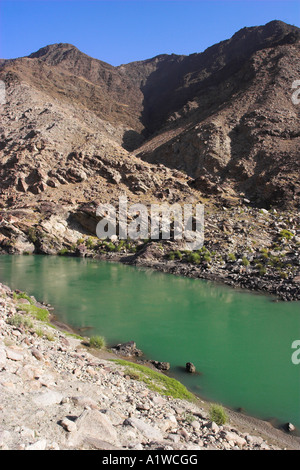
(272, 33)
(52, 48)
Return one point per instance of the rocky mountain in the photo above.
(223, 117)
(227, 118)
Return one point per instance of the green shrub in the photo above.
(231, 257)
(283, 275)
(178, 254)
(194, 258)
(285, 234)
(207, 258)
(245, 261)
(97, 342)
(90, 243)
(218, 414)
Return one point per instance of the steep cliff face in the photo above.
(223, 117)
(236, 123)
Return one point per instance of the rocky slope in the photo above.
(58, 394)
(233, 122)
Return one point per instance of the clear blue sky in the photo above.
(121, 31)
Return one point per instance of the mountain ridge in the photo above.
(223, 116)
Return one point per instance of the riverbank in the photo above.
(244, 247)
(58, 393)
(284, 290)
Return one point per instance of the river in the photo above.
(240, 342)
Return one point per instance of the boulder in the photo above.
(75, 175)
(128, 349)
(92, 424)
(189, 367)
(148, 431)
(161, 365)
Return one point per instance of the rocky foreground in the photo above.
(58, 394)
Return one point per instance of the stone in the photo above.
(116, 418)
(5, 436)
(128, 349)
(37, 354)
(214, 427)
(14, 355)
(2, 358)
(85, 402)
(68, 425)
(76, 175)
(235, 438)
(98, 444)
(254, 440)
(150, 432)
(161, 365)
(39, 445)
(174, 438)
(92, 424)
(47, 398)
(158, 400)
(27, 432)
(23, 301)
(290, 427)
(196, 425)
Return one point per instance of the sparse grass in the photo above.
(189, 417)
(285, 234)
(20, 321)
(22, 295)
(39, 332)
(40, 314)
(50, 337)
(156, 381)
(218, 414)
(72, 335)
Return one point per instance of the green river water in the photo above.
(239, 341)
